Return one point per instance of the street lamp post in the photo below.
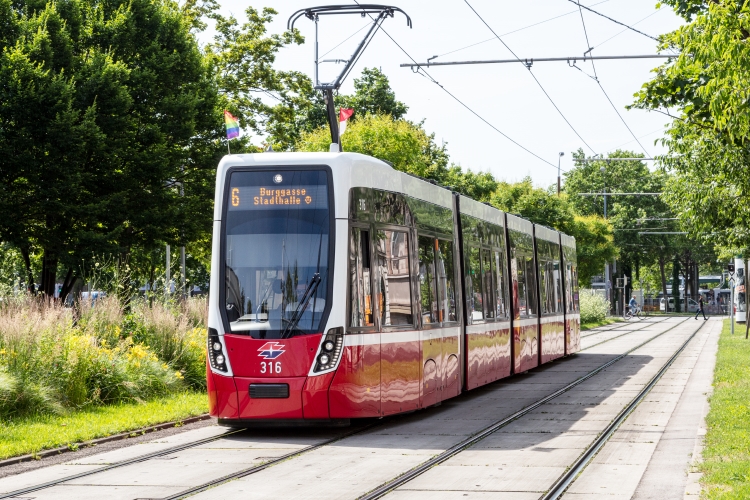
(558, 173)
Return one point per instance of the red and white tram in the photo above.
(343, 288)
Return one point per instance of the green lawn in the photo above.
(595, 324)
(726, 456)
(31, 435)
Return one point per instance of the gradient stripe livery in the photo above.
(431, 294)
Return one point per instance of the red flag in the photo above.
(344, 115)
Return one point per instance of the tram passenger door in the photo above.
(400, 352)
(430, 335)
(355, 390)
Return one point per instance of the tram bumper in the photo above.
(282, 398)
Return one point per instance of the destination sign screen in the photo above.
(289, 193)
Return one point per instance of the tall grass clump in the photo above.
(51, 363)
(594, 306)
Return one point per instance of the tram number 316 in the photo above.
(270, 367)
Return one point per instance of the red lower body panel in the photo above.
(525, 345)
(355, 389)
(552, 345)
(488, 353)
(290, 407)
(225, 396)
(315, 396)
(572, 333)
(400, 370)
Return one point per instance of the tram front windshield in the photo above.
(276, 252)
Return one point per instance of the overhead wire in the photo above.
(626, 29)
(532, 75)
(519, 29)
(425, 74)
(598, 82)
(344, 40)
(576, 2)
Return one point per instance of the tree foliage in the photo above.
(707, 87)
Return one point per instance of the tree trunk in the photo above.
(49, 273)
(662, 265)
(676, 285)
(30, 275)
(67, 285)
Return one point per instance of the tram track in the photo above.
(628, 332)
(620, 325)
(570, 475)
(408, 476)
(296, 453)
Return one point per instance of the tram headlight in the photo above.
(216, 356)
(331, 348)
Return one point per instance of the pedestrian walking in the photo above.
(700, 309)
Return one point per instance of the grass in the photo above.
(726, 456)
(595, 324)
(36, 433)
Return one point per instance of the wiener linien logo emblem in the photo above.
(271, 350)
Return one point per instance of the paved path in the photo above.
(519, 461)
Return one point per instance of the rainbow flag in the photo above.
(233, 126)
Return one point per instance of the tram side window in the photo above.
(521, 277)
(488, 285)
(359, 278)
(501, 299)
(446, 278)
(569, 307)
(394, 281)
(475, 285)
(427, 284)
(532, 306)
(574, 281)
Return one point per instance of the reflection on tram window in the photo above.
(276, 256)
(394, 283)
(501, 308)
(531, 302)
(427, 284)
(488, 285)
(521, 284)
(474, 285)
(359, 278)
(446, 278)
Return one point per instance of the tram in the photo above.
(342, 288)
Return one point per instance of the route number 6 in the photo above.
(270, 367)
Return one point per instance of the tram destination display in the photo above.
(265, 198)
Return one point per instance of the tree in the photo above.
(594, 238)
(705, 89)
(106, 108)
(629, 215)
(372, 95)
(267, 101)
(406, 145)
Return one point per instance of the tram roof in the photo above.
(349, 169)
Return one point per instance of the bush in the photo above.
(50, 363)
(594, 306)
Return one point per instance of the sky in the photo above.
(505, 95)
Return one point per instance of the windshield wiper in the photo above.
(309, 292)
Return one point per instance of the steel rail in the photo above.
(257, 468)
(116, 465)
(622, 323)
(251, 470)
(572, 472)
(621, 335)
(391, 485)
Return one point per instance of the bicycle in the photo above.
(629, 313)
